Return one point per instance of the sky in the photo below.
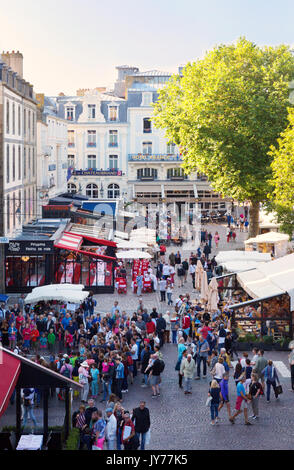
(72, 44)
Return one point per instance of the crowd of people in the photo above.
(107, 353)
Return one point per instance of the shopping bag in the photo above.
(208, 401)
(279, 390)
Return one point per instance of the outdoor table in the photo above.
(30, 442)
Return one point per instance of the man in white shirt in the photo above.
(192, 269)
(134, 353)
(110, 430)
(165, 270)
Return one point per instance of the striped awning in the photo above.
(9, 372)
(70, 241)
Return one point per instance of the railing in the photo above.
(91, 144)
(113, 144)
(140, 157)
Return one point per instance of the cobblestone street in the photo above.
(181, 422)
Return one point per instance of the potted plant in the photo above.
(267, 343)
(242, 344)
(281, 344)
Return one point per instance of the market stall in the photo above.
(271, 307)
(271, 242)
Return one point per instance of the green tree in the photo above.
(282, 196)
(225, 113)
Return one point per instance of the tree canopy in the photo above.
(225, 113)
(282, 196)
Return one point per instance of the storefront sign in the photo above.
(153, 158)
(34, 247)
(96, 173)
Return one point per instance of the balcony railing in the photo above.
(91, 144)
(140, 157)
(71, 144)
(113, 144)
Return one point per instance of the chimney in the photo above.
(14, 60)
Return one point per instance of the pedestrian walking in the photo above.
(271, 378)
(241, 402)
(141, 419)
(215, 395)
(187, 370)
(255, 390)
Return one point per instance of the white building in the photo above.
(155, 173)
(114, 150)
(52, 160)
(18, 130)
(97, 143)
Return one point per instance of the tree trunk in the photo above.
(253, 219)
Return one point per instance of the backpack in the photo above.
(130, 361)
(227, 369)
(161, 366)
(66, 372)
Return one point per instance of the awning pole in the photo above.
(18, 414)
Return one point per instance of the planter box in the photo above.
(242, 346)
(7, 441)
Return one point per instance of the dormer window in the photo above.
(91, 111)
(113, 113)
(146, 99)
(70, 113)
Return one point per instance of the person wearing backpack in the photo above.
(28, 403)
(154, 375)
(271, 378)
(66, 369)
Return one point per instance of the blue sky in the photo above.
(71, 44)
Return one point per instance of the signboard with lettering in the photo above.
(29, 247)
(158, 158)
(96, 173)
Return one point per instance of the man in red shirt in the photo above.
(150, 327)
(204, 330)
(186, 324)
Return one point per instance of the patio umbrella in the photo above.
(198, 275)
(204, 288)
(213, 297)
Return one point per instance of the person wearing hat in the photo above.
(111, 428)
(129, 438)
(84, 380)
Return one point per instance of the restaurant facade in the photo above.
(59, 256)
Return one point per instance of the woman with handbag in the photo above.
(271, 377)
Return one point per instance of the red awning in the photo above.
(70, 241)
(73, 242)
(9, 373)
